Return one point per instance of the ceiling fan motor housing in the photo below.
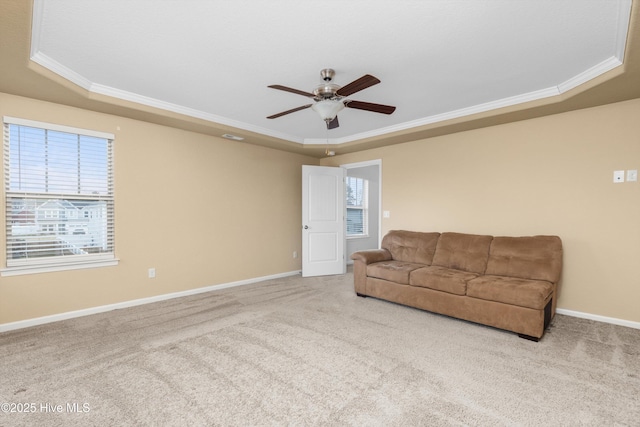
(326, 91)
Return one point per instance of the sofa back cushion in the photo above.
(411, 246)
(531, 257)
(467, 252)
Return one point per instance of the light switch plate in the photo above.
(632, 175)
(618, 176)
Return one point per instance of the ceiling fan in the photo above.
(330, 98)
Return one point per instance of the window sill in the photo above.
(359, 236)
(35, 269)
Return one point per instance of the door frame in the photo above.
(377, 162)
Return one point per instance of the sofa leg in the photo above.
(529, 337)
(361, 295)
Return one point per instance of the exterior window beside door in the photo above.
(357, 192)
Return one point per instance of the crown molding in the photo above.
(79, 80)
(575, 81)
(187, 111)
(590, 74)
(624, 17)
(59, 69)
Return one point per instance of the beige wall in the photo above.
(234, 208)
(201, 210)
(551, 175)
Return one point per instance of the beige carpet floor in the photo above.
(297, 351)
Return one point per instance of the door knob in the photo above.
(306, 227)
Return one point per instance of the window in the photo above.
(58, 180)
(357, 207)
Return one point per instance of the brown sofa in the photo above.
(505, 282)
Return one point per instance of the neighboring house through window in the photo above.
(58, 196)
(357, 207)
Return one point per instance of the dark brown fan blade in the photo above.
(376, 108)
(333, 123)
(293, 110)
(357, 85)
(288, 89)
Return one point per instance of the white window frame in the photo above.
(364, 207)
(56, 263)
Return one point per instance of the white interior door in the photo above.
(323, 223)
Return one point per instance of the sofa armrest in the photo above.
(372, 255)
(360, 261)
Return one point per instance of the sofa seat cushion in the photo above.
(510, 290)
(393, 271)
(442, 279)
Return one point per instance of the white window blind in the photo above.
(59, 194)
(357, 206)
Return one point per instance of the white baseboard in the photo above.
(103, 308)
(604, 319)
(125, 304)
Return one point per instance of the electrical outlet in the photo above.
(295, 254)
(152, 273)
(618, 176)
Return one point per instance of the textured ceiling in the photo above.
(437, 60)
(204, 65)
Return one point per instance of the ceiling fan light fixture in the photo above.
(330, 98)
(328, 109)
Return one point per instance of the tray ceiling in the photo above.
(204, 65)
(437, 60)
